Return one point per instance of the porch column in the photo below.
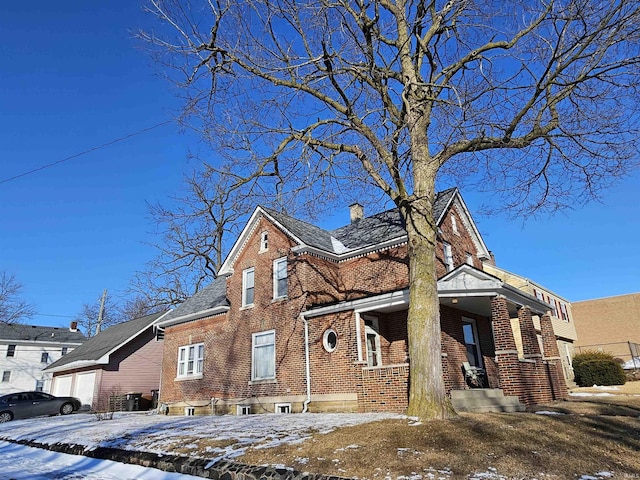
(530, 345)
(552, 358)
(505, 347)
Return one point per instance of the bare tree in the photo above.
(89, 314)
(329, 98)
(136, 307)
(13, 308)
(193, 234)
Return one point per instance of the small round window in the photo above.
(330, 340)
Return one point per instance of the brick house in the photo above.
(305, 319)
(562, 320)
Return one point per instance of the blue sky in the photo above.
(74, 78)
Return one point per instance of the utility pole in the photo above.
(99, 325)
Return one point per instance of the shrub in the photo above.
(597, 368)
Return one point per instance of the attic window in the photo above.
(454, 224)
(264, 241)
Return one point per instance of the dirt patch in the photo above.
(584, 436)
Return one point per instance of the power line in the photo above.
(48, 165)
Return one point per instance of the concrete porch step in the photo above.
(481, 400)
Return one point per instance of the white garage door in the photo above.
(62, 386)
(83, 388)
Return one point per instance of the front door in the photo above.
(474, 355)
(373, 341)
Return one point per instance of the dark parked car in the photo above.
(33, 404)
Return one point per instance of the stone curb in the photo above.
(199, 467)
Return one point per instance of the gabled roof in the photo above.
(466, 281)
(33, 333)
(210, 300)
(360, 237)
(97, 349)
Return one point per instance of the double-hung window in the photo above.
(190, 360)
(6, 375)
(11, 350)
(280, 278)
(263, 358)
(44, 357)
(448, 256)
(248, 286)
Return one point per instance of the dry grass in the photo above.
(594, 434)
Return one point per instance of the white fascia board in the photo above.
(192, 316)
(474, 227)
(227, 265)
(447, 206)
(77, 364)
(226, 268)
(351, 253)
(40, 343)
(399, 297)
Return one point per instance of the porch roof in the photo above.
(469, 288)
(465, 288)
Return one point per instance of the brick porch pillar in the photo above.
(533, 371)
(552, 359)
(505, 348)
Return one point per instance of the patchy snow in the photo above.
(548, 412)
(631, 364)
(158, 433)
(586, 394)
(18, 462)
(223, 437)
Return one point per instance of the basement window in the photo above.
(283, 408)
(243, 409)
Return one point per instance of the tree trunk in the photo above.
(427, 397)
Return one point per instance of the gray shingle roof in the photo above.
(309, 234)
(107, 340)
(213, 295)
(34, 333)
(368, 231)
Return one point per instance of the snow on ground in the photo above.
(18, 462)
(158, 433)
(161, 434)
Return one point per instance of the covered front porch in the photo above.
(475, 316)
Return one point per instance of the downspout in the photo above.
(307, 401)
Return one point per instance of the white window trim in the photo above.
(448, 256)
(198, 362)
(325, 340)
(454, 224)
(276, 263)
(264, 242)
(254, 378)
(245, 287)
(282, 408)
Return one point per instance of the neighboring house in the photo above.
(561, 317)
(124, 358)
(610, 324)
(25, 350)
(305, 319)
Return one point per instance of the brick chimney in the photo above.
(356, 211)
(73, 327)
